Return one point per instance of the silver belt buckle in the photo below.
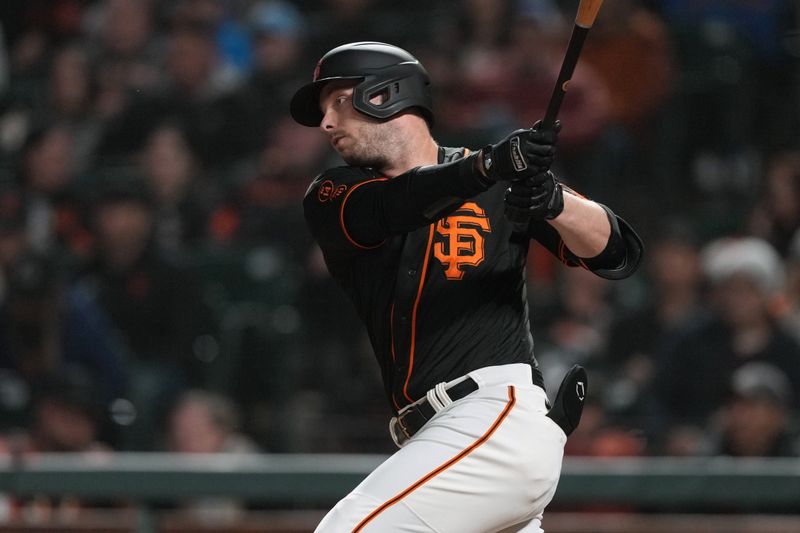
(398, 431)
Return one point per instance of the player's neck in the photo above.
(418, 150)
(424, 155)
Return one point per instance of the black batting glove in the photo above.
(538, 197)
(523, 154)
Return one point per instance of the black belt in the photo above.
(412, 419)
(566, 410)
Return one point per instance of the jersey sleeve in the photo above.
(324, 207)
(618, 260)
(353, 208)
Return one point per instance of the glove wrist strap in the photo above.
(556, 204)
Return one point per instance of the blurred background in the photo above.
(159, 291)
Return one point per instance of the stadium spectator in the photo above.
(194, 67)
(67, 416)
(776, 216)
(732, 52)
(732, 82)
(207, 423)
(481, 25)
(231, 38)
(47, 323)
(268, 198)
(577, 328)
(127, 52)
(154, 301)
(200, 92)
(70, 100)
(55, 221)
(181, 195)
(279, 32)
(756, 420)
(746, 275)
(32, 29)
(639, 336)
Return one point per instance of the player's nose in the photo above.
(328, 120)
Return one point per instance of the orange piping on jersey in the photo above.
(341, 216)
(391, 336)
(414, 313)
(391, 329)
(512, 399)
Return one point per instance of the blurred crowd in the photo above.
(159, 289)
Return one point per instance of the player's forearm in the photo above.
(583, 225)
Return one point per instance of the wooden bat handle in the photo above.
(587, 12)
(565, 75)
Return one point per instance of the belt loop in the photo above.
(414, 416)
(438, 397)
(433, 399)
(441, 394)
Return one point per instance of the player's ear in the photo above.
(379, 97)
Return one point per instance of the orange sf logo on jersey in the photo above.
(463, 239)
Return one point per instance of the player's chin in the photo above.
(345, 152)
(359, 160)
(350, 158)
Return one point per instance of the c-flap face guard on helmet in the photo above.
(402, 86)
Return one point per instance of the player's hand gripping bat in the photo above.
(587, 13)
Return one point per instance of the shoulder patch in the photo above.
(328, 190)
(334, 182)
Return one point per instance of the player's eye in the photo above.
(341, 100)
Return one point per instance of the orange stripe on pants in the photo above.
(474, 446)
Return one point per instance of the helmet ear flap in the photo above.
(392, 91)
(373, 96)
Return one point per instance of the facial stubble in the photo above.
(377, 145)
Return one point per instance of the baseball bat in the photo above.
(584, 20)
(587, 13)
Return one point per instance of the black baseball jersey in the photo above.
(441, 291)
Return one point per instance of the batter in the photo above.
(416, 234)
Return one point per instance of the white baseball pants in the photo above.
(488, 463)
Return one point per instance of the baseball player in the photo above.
(418, 237)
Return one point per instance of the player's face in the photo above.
(360, 140)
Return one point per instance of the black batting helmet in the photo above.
(382, 68)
